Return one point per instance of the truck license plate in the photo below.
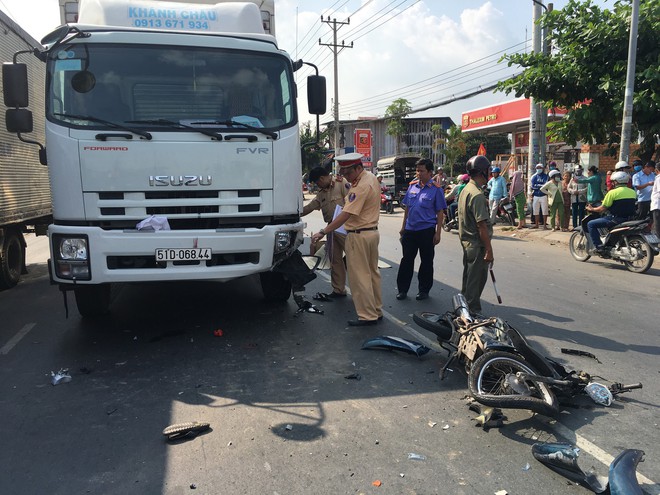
(183, 254)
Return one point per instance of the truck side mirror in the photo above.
(18, 120)
(15, 85)
(316, 97)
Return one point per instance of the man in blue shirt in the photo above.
(539, 198)
(497, 186)
(642, 183)
(424, 204)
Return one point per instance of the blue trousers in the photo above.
(594, 225)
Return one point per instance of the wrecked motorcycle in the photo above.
(629, 243)
(503, 370)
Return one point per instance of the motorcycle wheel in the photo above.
(640, 266)
(509, 218)
(578, 246)
(445, 225)
(390, 208)
(490, 381)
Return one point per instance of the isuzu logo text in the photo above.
(180, 180)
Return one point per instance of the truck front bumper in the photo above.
(92, 255)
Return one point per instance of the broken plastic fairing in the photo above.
(396, 344)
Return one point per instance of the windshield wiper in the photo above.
(177, 125)
(107, 123)
(231, 123)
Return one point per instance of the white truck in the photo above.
(180, 117)
(25, 204)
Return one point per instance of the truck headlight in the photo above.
(71, 257)
(282, 241)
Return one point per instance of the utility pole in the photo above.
(626, 125)
(543, 112)
(534, 108)
(336, 48)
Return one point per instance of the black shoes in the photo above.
(335, 295)
(422, 295)
(401, 296)
(361, 323)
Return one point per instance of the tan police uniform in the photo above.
(363, 203)
(326, 200)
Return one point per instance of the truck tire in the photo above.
(12, 259)
(92, 300)
(489, 383)
(275, 286)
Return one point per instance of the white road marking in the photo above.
(650, 487)
(16, 338)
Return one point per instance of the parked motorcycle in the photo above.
(506, 212)
(503, 370)
(449, 223)
(629, 243)
(386, 202)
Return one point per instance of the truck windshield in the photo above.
(145, 84)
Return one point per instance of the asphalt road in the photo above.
(285, 419)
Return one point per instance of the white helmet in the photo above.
(621, 165)
(620, 177)
(553, 173)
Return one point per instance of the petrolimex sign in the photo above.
(153, 14)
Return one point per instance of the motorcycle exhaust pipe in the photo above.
(461, 307)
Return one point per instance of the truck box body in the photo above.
(25, 203)
(24, 188)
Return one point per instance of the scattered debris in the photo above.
(416, 457)
(62, 376)
(432, 423)
(181, 430)
(305, 306)
(527, 467)
(563, 459)
(288, 427)
(353, 376)
(396, 344)
(446, 427)
(320, 296)
(577, 352)
(193, 486)
(218, 333)
(376, 483)
(488, 417)
(501, 492)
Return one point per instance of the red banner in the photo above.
(362, 139)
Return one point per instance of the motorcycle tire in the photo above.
(640, 266)
(488, 384)
(390, 208)
(510, 219)
(434, 323)
(445, 226)
(578, 246)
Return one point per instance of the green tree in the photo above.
(396, 128)
(586, 72)
(454, 145)
(311, 147)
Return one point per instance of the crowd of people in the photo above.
(350, 204)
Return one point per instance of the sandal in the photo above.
(320, 296)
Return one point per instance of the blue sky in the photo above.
(426, 51)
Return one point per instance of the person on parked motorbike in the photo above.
(475, 232)
(552, 189)
(497, 187)
(383, 187)
(619, 206)
(453, 196)
(421, 230)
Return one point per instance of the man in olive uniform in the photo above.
(360, 219)
(475, 232)
(332, 193)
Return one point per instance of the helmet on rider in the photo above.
(621, 165)
(496, 170)
(620, 177)
(478, 164)
(554, 173)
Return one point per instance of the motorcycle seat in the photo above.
(631, 223)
